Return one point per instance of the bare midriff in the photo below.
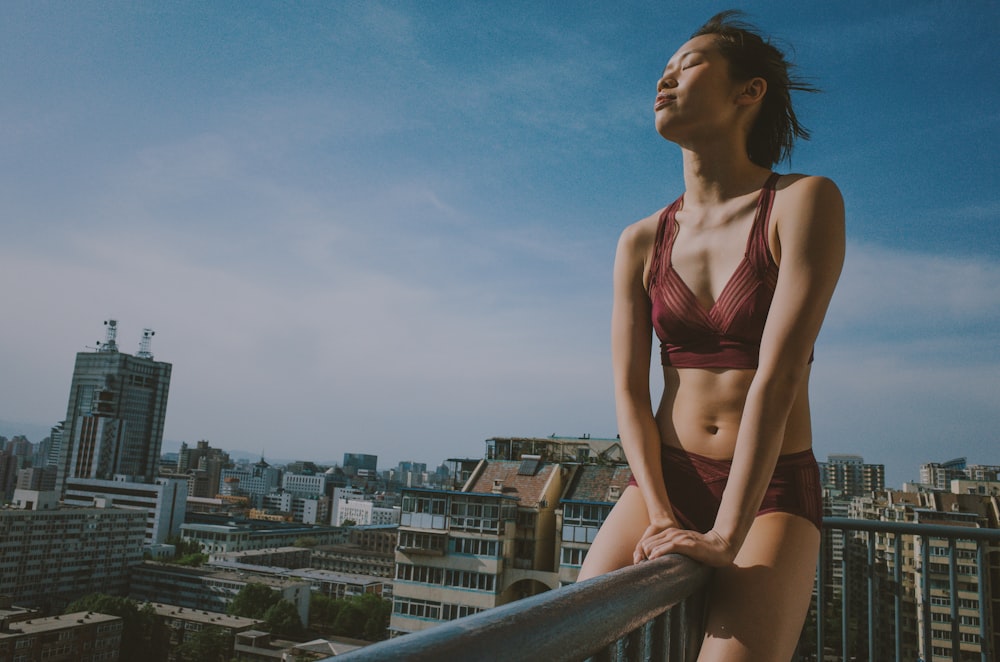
(701, 410)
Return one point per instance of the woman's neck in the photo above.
(711, 178)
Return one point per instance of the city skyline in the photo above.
(389, 227)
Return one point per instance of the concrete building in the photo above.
(213, 588)
(278, 557)
(163, 501)
(48, 558)
(77, 637)
(254, 482)
(178, 624)
(591, 492)
(371, 550)
(491, 543)
(224, 535)
(922, 505)
(850, 476)
(360, 464)
(203, 465)
(557, 449)
(365, 513)
(39, 479)
(115, 415)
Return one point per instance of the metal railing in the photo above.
(653, 611)
(891, 624)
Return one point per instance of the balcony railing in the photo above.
(652, 611)
(885, 622)
(649, 611)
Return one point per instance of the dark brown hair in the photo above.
(752, 55)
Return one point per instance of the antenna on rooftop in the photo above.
(110, 334)
(147, 335)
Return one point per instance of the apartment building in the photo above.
(225, 535)
(928, 595)
(212, 588)
(371, 550)
(591, 492)
(48, 558)
(77, 637)
(491, 543)
(178, 624)
(163, 501)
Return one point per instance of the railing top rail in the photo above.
(556, 626)
(913, 528)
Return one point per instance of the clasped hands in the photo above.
(667, 538)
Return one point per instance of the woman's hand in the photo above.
(708, 548)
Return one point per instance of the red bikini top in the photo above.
(728, 334)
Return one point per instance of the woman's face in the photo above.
(695, 92)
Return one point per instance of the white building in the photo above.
(164, 501)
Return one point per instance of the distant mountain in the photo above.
(35, 432)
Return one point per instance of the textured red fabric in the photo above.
(695, 484)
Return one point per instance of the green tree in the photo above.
(378, 610)
(323, 611)
(211, 644)
(253, 601)
(283, 619)
(305, 541)
(139, 631)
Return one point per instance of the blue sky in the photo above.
(389, 227)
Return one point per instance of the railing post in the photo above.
(897, 576)
(925, 595)
(986, 636)
(871, 595)
(956, 643)
(845, 603)
(821, 597)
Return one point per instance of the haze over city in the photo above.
(389, 227)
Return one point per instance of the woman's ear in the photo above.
(752, 92)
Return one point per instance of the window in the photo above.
(573, 556)
(474, 546)
(417, 608)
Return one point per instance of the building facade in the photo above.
(48, 558)
(115, 414)
(851, 476)
(163, 502)
(77, 637)
(491, 543)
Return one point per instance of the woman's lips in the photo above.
(663, 100)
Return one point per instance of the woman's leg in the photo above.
(616, 541)
(756, 607)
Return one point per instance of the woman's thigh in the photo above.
(619, 534)
(756, 607)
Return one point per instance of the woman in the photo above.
(723, 471)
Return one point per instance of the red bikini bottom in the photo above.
(695, 484)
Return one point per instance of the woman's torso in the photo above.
(701, 408)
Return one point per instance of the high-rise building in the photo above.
(360, 464)
(203, 465)
(114, 419)
(849, 475)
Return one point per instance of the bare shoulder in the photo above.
(635, 250)
(637, 239)
(797, 192)
(807, 217)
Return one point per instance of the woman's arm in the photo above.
(811, 242)
(631, 343)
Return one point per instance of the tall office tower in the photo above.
(114, 419)
(360, 464)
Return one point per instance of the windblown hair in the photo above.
(752, 55)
